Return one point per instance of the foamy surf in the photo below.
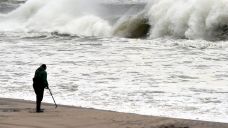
(191, 19)
(73, 17)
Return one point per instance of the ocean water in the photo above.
(175, 64)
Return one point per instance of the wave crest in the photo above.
(192, 19)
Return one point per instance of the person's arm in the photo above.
(45, 80)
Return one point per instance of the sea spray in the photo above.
(87, 25)
(69, 16)
(192, 19)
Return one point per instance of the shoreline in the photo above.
(21, 114)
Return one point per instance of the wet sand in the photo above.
(21, 114)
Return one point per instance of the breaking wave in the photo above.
(69, 16)
(191, 19)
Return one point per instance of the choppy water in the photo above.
(167, 77)
(163, 76)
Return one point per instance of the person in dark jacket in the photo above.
(39, 84)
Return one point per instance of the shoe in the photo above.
(39, 111)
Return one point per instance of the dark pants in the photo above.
(39, 96)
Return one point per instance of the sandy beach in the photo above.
(21, 114)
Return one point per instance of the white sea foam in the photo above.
(70, 16)
(192, 19)
(188, 18)
(160, 77)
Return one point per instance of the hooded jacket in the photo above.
(40, 78)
